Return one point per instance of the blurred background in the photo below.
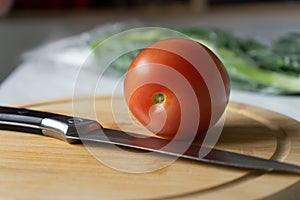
(27, 23)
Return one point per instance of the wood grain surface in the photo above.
(37, 167)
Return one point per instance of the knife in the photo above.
(72, 129)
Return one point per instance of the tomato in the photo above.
(177, 87)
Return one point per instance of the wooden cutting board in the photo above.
(37, 167)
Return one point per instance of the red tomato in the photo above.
(177, 86)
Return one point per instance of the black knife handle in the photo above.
(43, 123)
(20, 119)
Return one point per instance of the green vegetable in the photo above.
(250, 64)
(288, 48)
(240, 70)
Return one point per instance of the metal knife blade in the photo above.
(72, 129)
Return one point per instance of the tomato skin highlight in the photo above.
(164, 118)
(141, 104)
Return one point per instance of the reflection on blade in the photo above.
(215, 156)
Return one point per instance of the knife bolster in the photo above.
(55, 129)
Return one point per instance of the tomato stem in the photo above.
(159, 98)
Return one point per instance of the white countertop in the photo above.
(47, 84)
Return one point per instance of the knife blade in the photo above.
(72, 129)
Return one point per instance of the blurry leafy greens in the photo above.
(251, 65)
